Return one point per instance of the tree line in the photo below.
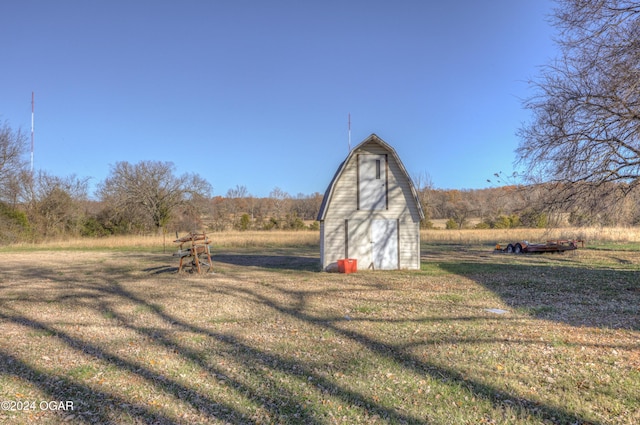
(530, 205)
(150, 197)
(143, 198)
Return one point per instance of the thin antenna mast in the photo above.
(349, 131)
(32, 107)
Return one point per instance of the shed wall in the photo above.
(345, 231)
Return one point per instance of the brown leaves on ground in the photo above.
(267, 339)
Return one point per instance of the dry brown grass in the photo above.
(266, 339)
(271, 239)
(484, 236)
(228, 239)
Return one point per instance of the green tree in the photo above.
(245, 222)
(534, 219)
(452, 224)
(14, 224)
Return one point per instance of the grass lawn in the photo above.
(474, 337)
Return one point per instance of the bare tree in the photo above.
(306, 206)
(585, 129)
(54, 203)
(152, 190)
(237, 202)
(281, 202)
(238, 192)
(424, 186)
(12, 162)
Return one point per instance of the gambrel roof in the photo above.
(373, 138)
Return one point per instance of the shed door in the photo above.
(384, 244)
(372, 182)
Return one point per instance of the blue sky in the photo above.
(257, 93)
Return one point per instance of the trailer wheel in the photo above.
(510, 249)
(518, 249)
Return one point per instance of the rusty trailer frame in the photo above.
(553, 246)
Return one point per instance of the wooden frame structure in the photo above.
(194, 247)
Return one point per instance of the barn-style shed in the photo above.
(371, 211)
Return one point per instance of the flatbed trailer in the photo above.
(524, 247)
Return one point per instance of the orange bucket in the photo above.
(348, 265)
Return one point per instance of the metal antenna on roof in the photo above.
(349, 131)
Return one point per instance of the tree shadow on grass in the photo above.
(160, 270)
(578, 296)
(282, 262)
(107, 294)
(105, 407)
(277, 262)
(400, 356)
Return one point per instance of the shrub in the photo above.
(534, 219)
(91, 226)
(18, 217)
(501, 222)
(426, 224)
(506, 222)
(272, 223)
(294, 222)
(14, 224)
(245, 222)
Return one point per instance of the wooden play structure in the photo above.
(193, 250)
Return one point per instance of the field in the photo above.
(106, 331)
